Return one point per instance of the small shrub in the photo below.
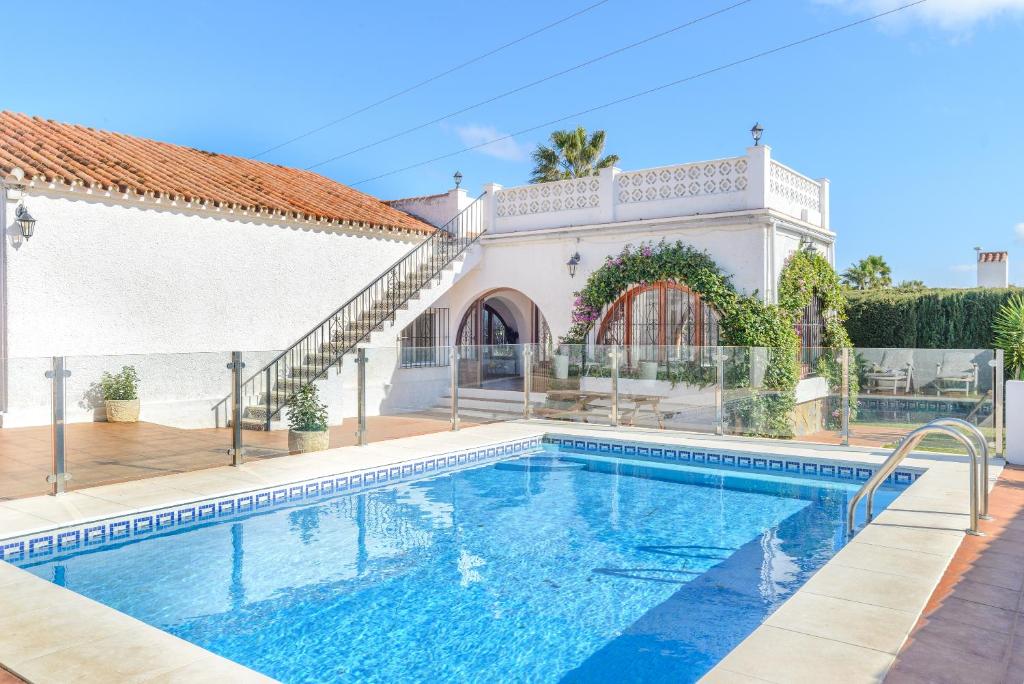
(121, 386)
(305, 411)
(1009, 331)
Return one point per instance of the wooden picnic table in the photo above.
(583, 401)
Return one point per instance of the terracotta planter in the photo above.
(122, 410)
(305, 441)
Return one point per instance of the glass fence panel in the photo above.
(573, 383)
(26, 450)
(408, 392)
(669, 387)
(139, 416)
(754, 401)
(274, 387)
(899, 390)
(490, 382)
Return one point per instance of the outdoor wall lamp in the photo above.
(458, 179)
(756, 131)
(572, 263)
(25, 220)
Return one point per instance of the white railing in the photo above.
(542, 198)
(794, 188)
(683, 180)
(750, 182)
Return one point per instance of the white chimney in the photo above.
(993, 269)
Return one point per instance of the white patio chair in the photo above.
(956, 372)
(895, 371)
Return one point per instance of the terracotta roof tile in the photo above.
(993, 256)
(66, 153)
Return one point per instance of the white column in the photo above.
(759, 159)
(607, 193)
(491, 208)
(825, 184)
(458, 200)
(1015, 422)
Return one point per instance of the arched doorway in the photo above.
(491, 334)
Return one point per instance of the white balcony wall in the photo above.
(753, 181)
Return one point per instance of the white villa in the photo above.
(178, 256)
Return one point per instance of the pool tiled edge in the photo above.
(145, 523)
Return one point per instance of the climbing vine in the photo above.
(745, 321)
(805, 275)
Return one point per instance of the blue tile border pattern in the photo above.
(30, 548)
(795, 465)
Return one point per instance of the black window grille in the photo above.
(811, 331)
(424, 342)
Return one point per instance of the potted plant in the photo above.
(307, 422)
(121, 395)
(1009, 330)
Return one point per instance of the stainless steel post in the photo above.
(236, 367)
(845, 389)
(613, 411)
(719, 391)
(453, 360)
(58, 375)
(361, 396)
(998, 417)
(527, 380)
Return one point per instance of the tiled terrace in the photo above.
(104, 453)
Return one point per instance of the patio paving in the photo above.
(972, 629)
(104, 453)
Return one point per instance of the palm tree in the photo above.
(571, 155)
(868, 274)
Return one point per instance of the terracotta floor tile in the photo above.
(973, 628)
(976, 615)
(101, 453)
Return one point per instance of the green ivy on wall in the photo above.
(806, 274)
(745, 321)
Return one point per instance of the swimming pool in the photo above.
(558, 565)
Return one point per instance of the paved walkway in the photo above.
(104, 453)
(972, 629)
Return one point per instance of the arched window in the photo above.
(664, 314)
(810, 328)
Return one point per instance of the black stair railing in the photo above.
(353, 322)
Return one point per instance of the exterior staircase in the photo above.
(376, 307)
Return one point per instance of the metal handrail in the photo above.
(899, 453)
(979, 436)
(355, 320)
(982, 476)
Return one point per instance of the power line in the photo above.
(649, 91)
(527, 86)
(431, 79)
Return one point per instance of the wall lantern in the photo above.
(572, 263)
(25, 220)
(756, 131)
(458, 179)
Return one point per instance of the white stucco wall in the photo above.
(534, 263)
(170, 292)
(102, 278)
(436, 210)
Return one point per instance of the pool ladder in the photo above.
(978, 483)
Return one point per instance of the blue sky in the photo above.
(917, 119)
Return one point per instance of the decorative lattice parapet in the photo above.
(793, 188)
(683, 180)
(540, 198)
(751, 182)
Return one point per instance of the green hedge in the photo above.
(925, 319)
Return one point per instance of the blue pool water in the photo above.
(553, 567)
